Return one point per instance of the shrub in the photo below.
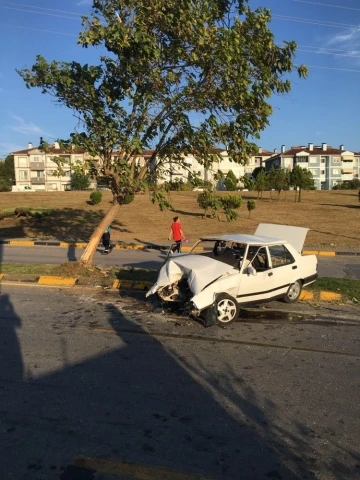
(95, 197)
(229, 203)
(251, 204)
(7, 213)
(230, 181)
(206, 200)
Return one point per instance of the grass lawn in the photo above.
(332, 217)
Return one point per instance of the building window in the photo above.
(23, 175)
(68, 173)
(313, 159)
(322, 172)
(258, 160)
(301, 159)
(323, 159)
(39, 174)
(336, 159)
(313, 171)
(336, 171)
(35, 159)
(23, 162)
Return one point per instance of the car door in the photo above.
(284, 267)
(259, 285)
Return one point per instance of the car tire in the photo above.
(227, 309)
(293, 293)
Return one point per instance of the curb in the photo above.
(56, 281)
(149, 246)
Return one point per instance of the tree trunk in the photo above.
(88, 255)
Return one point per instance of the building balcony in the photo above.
(38, 180)
(37, 166)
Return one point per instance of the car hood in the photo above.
(199, 270)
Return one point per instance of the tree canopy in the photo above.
(172, 76)
(7, 173)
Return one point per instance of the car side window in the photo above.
(258, 258)
(280, 256)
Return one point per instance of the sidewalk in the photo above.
(25, 242)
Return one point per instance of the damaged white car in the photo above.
(221, 273)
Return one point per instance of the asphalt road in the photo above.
(95, 386)
(337, 267)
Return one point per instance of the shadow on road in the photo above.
(137, 401)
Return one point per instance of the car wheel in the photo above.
(227, 309)
(293, 293)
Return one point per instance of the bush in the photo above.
(95, 197)
(206, 200)
(251, 204)
(7, 213)
(230, 201)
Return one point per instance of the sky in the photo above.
(323, 108)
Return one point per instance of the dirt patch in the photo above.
(331, 216)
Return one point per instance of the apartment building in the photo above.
(176, 172)
(328, 165)
(35, 168)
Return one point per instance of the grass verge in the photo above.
(347, 287)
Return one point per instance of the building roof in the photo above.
(293, 151)
(52, 149)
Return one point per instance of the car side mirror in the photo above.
(251, 270)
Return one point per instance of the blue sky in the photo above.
(323, 108)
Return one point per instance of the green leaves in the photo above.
(177, 77)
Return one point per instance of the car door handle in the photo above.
(270, 274)
(294, 267)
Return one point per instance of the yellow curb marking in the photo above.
(310, 252)
(328, 254)
(137, 472)
(21, 242)
(131, 247)
(306, 295)
(330, 296)
(54, 280)
(137, 285)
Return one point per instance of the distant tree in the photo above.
(270, 180)
(354, 184)
(260, 182)
(256, 171)
(229, 204)
(230, 181)
(79, 181)
(281, 180)
(301, 179)
(206, 201)
(248, 182)
(7, 173)
(251, 204)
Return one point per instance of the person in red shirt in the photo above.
(176, 234)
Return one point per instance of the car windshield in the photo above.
(223, 251)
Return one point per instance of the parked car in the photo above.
(223, 272)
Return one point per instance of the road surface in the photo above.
(95, 386)
(337, 267)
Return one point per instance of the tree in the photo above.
(256, 171)
(251, 205)
(7, 173)
(301, 179)
(270, 180)
(260, 182)
(206, 200)
(281, 180)
(79, 181)
(230, 181)
(162, 62)
(229, 204)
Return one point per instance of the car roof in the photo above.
(248, 239)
